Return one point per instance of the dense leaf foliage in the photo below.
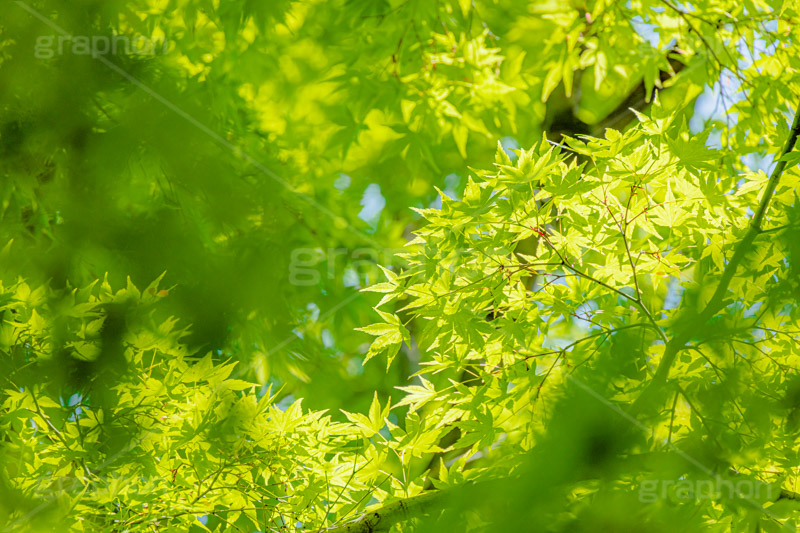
(430, 266)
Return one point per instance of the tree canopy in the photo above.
(407, 265)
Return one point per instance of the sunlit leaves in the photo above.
(391, 335)
(571, 260)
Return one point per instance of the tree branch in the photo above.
(717, 301)
(388, 515)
